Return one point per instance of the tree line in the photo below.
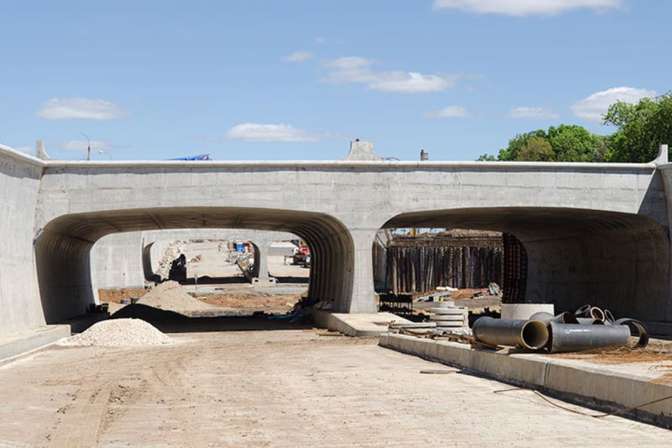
(640, 129)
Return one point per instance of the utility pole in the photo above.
(88, 146)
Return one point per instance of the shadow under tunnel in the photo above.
(172, 322)
(618, 261)
(62, 249)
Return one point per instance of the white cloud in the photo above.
(299, 56)
(79, 108)
(525, 7)
(81, 145)
(257, 132)
(449, 112)
(532, 112)
(354, 69)
(595, 106)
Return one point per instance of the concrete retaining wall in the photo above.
(20, 306)
(116, 261)
(624, 270)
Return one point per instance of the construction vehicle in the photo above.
(302, 255)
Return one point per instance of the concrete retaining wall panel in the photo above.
(20, 306)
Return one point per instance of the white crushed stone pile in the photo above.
(118, 333)
(172, 297)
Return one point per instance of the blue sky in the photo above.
(271, 80)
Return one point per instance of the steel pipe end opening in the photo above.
(534, 335)
(597, 314)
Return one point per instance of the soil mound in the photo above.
(171, 296)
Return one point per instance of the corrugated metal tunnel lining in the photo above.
(63, 248)
(615, 260)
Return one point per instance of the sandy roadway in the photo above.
(279, 388)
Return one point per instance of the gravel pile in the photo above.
(172, 297)
(118, 333)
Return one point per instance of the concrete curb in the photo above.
(356, 324)
(595, 388)
(38, 338)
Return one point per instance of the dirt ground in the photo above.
(290, 388)
(253, 301)
(115, 295)
(242, 299)
(657, 353)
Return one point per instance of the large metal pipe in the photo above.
(563, 318)
(609, 317)
(529, 334)
(587, 321)
(577, 337)
(636, 327)
(590, 311)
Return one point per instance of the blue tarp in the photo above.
(198, 157)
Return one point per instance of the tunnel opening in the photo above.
(63, 250)
(232, 271)
(215, 257)
(567, 257)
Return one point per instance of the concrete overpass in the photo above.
(594, 233)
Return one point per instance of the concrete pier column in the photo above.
(363, 299)
(261, 251)
(665, 170)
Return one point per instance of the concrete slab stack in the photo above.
(449, 317)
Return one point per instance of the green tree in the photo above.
(642, 128)
(564, 143)
(486, 158)
(536, 149)
(517, 143)
(572, 143)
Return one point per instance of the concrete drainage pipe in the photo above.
(577, 337)
(529, 334)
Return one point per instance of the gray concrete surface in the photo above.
(578, 381)
(288, 388)
(594, 233)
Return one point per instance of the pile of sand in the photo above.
(171, 296)
(118, 333)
